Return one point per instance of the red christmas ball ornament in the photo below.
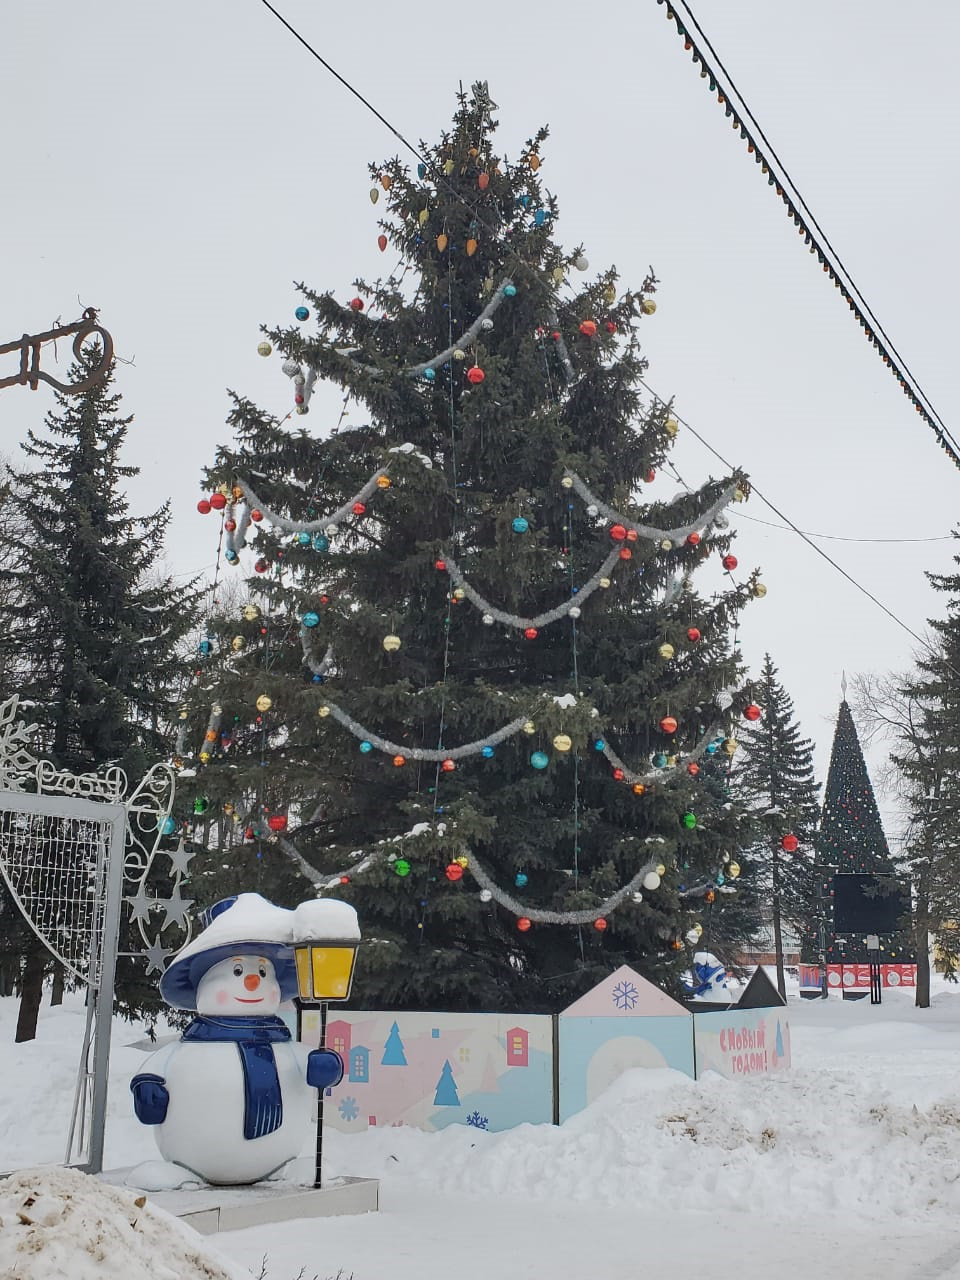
(618, 775)
(626, 553)
(693, 539)
(399, 761)
(382, 243)
(248, 834)
(454, 871)
(261, 566)
(230, 525)
(441, 565)
(218, 501)
(588, 328)
(618, 532)
(611, 327)
(668, 725)
(693, 768)
(203, 506)
(632, 535)
(256, 515)
(448, 766)
(555, 335)
(751, 711)
(530, 633)
(650, 476)
(359, 509)
(277, 822)
(475, 375)
(523, 924)
(729, 563)
(693, 634)
(789, 844)
(356, 304)
(600, 924)
(344, 879)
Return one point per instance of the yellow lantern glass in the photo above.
(325, 970)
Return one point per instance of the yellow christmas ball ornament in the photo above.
(383, 482)
(733, 870)
(562, 742)
(264, 702)
(251, 612)
(391, 643)
(759, 590)
(529, 727)
(374, 195)
(638, 788)
(666, 544)
(739, 495)
(604, 583)
(448, 167)
(730, 746)
(424, 215)
(648, 306)
(323, 711)
(237, 643)
(558, 274)
(661, 869)
(666, 651)
(567, 482)
(459, 593)
(671, 427)
(264, 349)
(204, 757)
(459, 355)
(462, 861)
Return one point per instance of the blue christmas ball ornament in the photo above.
(366, 748)
(659, 760)
(429, 374)
(169, 827)
(230, 556)
(421, 170)
(525, 200)
(302, 313)
(520, 880)
(599, 744)
(310, 619)
(721, 878)
(205, 647)
(540, 217)
(509, 290)
(539, 759)
(711, 748)
(486, 752)
(321, 542)
(318, 679)
(520, 525)
(303, 539)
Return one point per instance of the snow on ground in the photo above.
(848, 1164)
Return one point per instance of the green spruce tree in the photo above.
(94, 634)
(402, 569)
(774, 778)
(927, 756)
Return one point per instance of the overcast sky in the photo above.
(178, 165)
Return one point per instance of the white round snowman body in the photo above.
(221, 1090)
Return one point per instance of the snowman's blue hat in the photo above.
(244, 925)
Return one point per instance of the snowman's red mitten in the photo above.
(324, 1068)
(151, 1098)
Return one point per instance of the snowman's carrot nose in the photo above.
(251, 981)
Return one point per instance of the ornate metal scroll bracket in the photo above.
(29, 347)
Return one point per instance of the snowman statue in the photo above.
(230, 1101)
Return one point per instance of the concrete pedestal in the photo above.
(212, 1209)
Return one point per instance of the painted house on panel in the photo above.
(338, 1037)
(518, 1047)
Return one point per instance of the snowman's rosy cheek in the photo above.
(222, 997)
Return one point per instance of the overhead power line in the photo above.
(744, 122)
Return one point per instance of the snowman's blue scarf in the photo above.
(254, 1038)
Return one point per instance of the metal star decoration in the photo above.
(180, 858)
(156, 955)
(140, 905)
(175, 908)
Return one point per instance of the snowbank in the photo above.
(57, 1223)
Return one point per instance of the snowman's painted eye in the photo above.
(237, 970)
(263, 971)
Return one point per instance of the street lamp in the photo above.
(326, 935)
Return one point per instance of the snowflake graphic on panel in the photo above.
(348, 1109)
(625, 994)
(477, 1120)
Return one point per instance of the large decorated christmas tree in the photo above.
(850, 841)
(474, 689)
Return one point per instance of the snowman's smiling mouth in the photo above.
(256, 1000)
